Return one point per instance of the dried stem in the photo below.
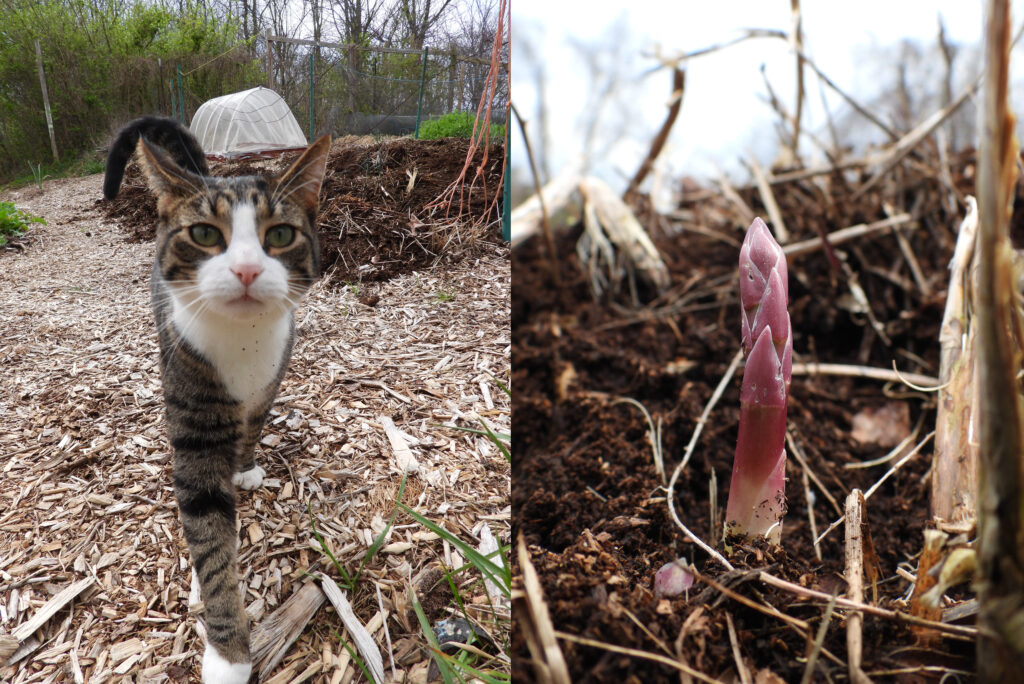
(678, 83)
(1001, 481)
(855, 583)
(549, 237)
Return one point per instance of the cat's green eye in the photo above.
(280, 236)
(204, 234)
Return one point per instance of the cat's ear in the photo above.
(166, 179)
(301, 182)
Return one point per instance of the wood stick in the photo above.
(676, 103)
(545, 221)
(954, 630)
(954, 483)
(361, 635)
(855, 584)
(272, 638)
(1000, 477)
(912, 139)
(50, 608)
(868, 372)
(764, 186)
(548, 660)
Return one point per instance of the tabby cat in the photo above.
(233, 258)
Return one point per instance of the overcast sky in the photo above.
(724, 115)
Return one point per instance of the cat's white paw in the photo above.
(217, 670)
(249, 479)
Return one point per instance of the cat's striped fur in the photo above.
(224, 285)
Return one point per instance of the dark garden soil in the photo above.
(379, 211)
(590, 505)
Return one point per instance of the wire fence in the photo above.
(345, 89)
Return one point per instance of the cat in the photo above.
(233, 258)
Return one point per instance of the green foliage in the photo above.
(456, 125)
(494, 567)
(37, 174)
(105, 62)
(14, 221)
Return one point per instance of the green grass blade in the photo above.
(428, 632)
(501, 576)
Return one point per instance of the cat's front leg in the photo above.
(206, 500)
(250, 478)
(247, 474)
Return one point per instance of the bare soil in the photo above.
(591, 506)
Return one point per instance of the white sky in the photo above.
(724, 116)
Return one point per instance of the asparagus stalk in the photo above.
(757, 494)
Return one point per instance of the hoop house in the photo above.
(250, 121)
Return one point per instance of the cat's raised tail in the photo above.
(179, 142)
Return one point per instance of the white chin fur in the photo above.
(216, 670)
(249, 479)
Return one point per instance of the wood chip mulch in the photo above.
(85, 490)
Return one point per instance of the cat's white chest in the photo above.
(246, 354)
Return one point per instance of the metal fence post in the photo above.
(419, 107)
(506, 204)
(310, 96)
(181, 99)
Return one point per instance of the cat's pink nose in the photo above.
(247, 273)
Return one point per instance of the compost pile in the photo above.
(380, 214)
(589, 503)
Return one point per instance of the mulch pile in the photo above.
(589, 503)
(379, 210)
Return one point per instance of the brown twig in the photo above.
(1001, 480)
(770, 205)
(855, 584)
(549, 236)
(658, 658)
(797, 38)
(548, 661)
(676, 102)
(819, 640)
(867, 495)
(952, 630)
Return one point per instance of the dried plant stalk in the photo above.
(954, 475)
(1001, 473)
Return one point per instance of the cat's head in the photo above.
(240, 247)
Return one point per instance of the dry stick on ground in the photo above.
(908, 142)
(549, 237)
(952, 630)
(741, 667)
(867, 495)
(656, 657)
(798, 453)
(855, 583)
(819, 640)
(768, 197)
(1001, 480)
(954, 474)
(922, 381)
(804, 247)
(676, 102)
(908, 255)
(548, 661)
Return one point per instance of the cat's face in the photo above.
(240, 248)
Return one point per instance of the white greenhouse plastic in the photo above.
(250, 121)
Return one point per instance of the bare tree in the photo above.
(420, 16)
